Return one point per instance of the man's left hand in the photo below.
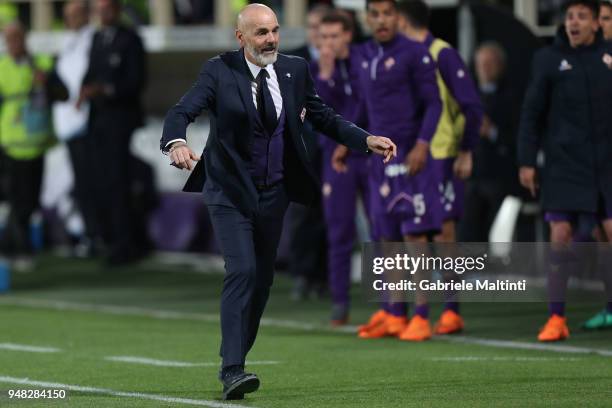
(463, 165)
(383, 146)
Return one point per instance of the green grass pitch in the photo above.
(64, 305)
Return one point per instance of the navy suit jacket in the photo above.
(223, 89)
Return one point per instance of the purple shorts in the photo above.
(404, 205)
(583, 223)
(452, 191)
(573, 217)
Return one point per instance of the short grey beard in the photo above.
(261, 59)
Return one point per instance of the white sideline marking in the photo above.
(29, 349)
(284, 324)
(514, 359)
(109, 309)
(170, 363)
(526, 346)
(106, 391)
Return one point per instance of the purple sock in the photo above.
(454, 306)
(422, 310)
(609, 307)
(557, 308)
(398, 309)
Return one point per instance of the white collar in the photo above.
(256, 68)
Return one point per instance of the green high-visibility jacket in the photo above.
(18, 138)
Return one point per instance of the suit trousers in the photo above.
(110, 141)
(81, 152)
(248, 245)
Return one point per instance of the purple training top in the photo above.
(342, 92)
(401, 91)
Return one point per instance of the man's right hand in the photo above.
(417, 158)
(528, 178)
(327, 63)
(182, 156)
(338, 160)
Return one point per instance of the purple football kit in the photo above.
(403, 103)
(459, 125)
(341, 190)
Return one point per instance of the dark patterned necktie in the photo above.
(265, 103)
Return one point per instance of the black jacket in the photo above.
(568, 112)
(495, 161)
(120, 65)
(224, 90)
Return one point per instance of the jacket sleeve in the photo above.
(423, 71)
(328, 122)
(457, 78)
(200, 97)
(533, 113)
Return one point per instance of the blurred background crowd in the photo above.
(84, 87)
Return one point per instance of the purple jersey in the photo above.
(401, 91)
(342, 92)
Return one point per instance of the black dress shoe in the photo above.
(237, 383)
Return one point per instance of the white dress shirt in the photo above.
(72, 65)
(273, 86)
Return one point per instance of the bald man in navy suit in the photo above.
(255, 162)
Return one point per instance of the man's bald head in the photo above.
(14, 36)
(254, 14)
(257, 31)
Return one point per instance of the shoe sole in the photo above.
(415, 340)
(563, 337)
(239, 388)
(456, 331)
(597, 328)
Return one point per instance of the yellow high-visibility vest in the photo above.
(17, 139)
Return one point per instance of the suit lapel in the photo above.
(243, 78)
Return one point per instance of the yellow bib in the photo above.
(446, 140)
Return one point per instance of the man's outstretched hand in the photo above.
(378, 144)
(383, 146)
(182, 156)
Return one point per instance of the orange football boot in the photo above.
(450, 322)
(391, 326)
(375, 320)
(418, 329)
(555, 329)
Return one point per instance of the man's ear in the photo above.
(239, 37)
